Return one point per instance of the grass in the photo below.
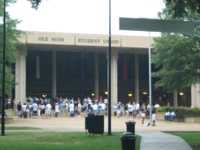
(192, 138)
(60, 141)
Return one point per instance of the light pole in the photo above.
(109, 72)
(150, 82)
(3, 71)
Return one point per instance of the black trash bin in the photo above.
(128, 141)
(130, 127)
(94, 124)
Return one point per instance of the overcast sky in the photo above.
(81, 16)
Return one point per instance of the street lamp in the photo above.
(3, 71)
(109, 70)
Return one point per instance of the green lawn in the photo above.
(193, 138)
(60, 141)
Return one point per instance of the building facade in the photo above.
(75, 65)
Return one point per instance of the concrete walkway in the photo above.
(162, 141)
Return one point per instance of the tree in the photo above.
(11, 42)
(177, 61)
(182, 8)
(177, 56)
(35, 3)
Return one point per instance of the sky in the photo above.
(82, 16)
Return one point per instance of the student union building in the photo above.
(75, 65)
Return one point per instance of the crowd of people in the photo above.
(44, 107)
(60, 107)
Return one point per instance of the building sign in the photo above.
(50, 39)
(87, 41)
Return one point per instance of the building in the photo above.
(61, 64)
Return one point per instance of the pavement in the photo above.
(74, 124)
(162, 141)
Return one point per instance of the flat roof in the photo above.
(97, 40)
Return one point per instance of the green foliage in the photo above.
(182, 8)
(11, 41)
(175, 56)
(176, 60)
(35, 3)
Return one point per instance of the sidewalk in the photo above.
(162, 141)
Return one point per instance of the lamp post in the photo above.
(3, 71)
(109, 71)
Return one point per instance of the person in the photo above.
(57, 110)
(172, 115)
(48, 110)
(24, 113)
(153, 116)
(130, 108)
(35, 109)
(95, 108)
(167, 115)
(143, 116)
(71, 109)
(19, 109)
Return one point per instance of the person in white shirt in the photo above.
(48, 110)
(79, 107)
(137, 108)
(102, 107)
(119, 109)
(24, 114)
(57, 110)
(130, 109)
(35, 109)
(95, 108)
(71, 109)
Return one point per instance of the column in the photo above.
(20, 75)
(96, 69)
(195, 95)
(114, 76)
(54, 75)
(136, 78)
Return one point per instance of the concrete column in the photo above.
(54, 75)
(195, 95)
(175, 94)
(136, 78)
(96, 69)
(20, 75)
(114, 76)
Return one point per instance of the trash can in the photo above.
(128, 141)
(94, 124)
(130, 127)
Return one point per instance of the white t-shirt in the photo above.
(95, 107)
(48, 107)
(57, 108)
(103, 106)
(71, 107)
(24, 107)
(35, 106)
(130, 108)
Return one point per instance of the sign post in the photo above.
(156, 25)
